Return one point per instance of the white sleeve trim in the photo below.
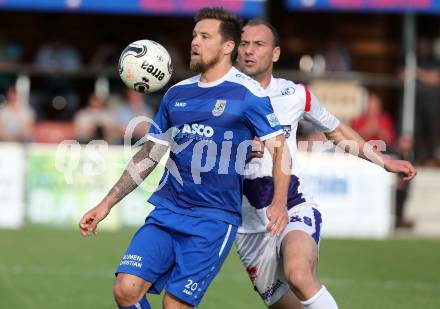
(157, 140)
(335, 125)
(273, 134)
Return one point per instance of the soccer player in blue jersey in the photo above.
(208, 122)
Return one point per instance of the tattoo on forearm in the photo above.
(140, 166)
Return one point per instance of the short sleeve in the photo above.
(261, 118)
(159, 128)
(316, 113)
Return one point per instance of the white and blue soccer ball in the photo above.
(145, 66)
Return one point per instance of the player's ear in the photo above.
(228, 47)
(276, 54)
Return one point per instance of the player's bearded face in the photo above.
(206, 46)
(256, 51)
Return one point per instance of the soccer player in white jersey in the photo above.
(208, 122)
(286, 271)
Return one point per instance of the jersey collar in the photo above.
(216, 82)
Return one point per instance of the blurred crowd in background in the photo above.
(55, 111)
(63, 84)
(65, 101)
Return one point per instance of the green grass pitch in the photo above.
(42, 268)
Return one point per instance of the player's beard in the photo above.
(201, 67)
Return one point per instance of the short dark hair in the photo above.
(275, 34)
(230, 25)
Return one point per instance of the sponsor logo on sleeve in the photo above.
(288, 91)
(273, 120)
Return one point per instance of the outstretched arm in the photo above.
(277, 210)
(344, 134)
(140, 166)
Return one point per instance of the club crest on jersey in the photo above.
(219, 108)
(287, 129)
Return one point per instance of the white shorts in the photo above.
(260, 252)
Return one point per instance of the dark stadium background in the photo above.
(44, 263)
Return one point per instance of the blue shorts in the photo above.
(177, 252)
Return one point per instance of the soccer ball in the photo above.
(145, 66)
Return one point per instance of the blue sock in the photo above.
(141, 304)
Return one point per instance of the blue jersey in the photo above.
(209, 128)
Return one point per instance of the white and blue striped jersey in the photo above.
(291, 103)
(210, 128)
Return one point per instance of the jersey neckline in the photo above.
(215, 82)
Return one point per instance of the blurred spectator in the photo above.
(56, 100)
(94, 122)
(133, 106)
(336, 57)
(375, 124)
(404, 151)
(10, 56)
(58, 55)
(427, 103)
(10, 53)
(16, 119)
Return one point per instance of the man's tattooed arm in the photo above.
(140, 166)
